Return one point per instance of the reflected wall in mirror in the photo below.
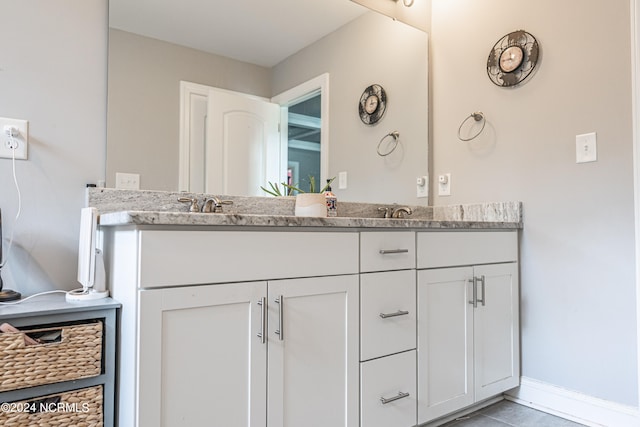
(144, 102)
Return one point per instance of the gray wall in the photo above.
(53, 74)
(393, 55)
(578, 289)
(144, 102)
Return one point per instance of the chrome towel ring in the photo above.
(477, 116)
(396, 137)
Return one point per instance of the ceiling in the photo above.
(262, 32)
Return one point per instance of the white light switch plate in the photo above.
(342, 180)
(586, 148)
(422, 186)
(20, 137)
(127, 181)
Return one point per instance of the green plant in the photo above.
(276, 191)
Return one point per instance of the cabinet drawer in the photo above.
(450, 248)
(387, 313)
(172, 257)
(392, 378)
(381, 251)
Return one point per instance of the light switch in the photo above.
(127, 181)
(586, 148)
(342, 180)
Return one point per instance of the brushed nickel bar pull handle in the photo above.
(279, 332)
(393, 251)
(263, 321)
(400, 395)
(474, 287)
(483, 300)
(397, 313)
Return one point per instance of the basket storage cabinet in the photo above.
(59, 370)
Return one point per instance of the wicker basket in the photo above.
(77, 355)
(77, 408)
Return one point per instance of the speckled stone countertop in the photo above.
(126, 207)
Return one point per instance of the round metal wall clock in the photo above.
(513, 58)
(373, 104)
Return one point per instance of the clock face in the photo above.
(372, 105)
(511, 58)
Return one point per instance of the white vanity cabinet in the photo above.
(273, 348)
(468, 319)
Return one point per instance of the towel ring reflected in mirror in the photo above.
(396, 138)
(477, 116)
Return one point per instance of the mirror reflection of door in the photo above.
(231, 143)
(304, 133)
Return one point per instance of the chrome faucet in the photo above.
(214, 205)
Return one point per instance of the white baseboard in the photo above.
(573, 406)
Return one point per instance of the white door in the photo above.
(496, 343)
(313, 352)
(201, 361)
(243, 144)
(445, 342)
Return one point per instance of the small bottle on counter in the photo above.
(332, 201)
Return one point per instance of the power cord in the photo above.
(33, 296)
(14, 146)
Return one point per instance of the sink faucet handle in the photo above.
(386, 211)
(193, 203)
(214, 205)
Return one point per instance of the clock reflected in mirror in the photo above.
(513, 58)
(372, 104)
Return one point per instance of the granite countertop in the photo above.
(158, 208)
(211, 219)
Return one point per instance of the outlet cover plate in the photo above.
(444, 184)
(22, 139)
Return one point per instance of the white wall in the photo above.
(53, 74)
(578, 289)
(393, 55)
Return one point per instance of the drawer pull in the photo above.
(393, 251)
(397, 313)
(400, 395)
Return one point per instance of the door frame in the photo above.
(298, 93)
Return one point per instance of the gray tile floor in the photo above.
(509, 414)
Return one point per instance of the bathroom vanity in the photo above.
(258, 320)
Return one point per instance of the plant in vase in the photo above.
(311, 203)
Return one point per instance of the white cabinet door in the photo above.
(445, 342)
(496, 331)
(466, 352)
(313, 352)
(200, 361)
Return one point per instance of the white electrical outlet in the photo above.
(14, 138)
(127, 181)
(444, 184)
(586, 148)
(422, 186)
